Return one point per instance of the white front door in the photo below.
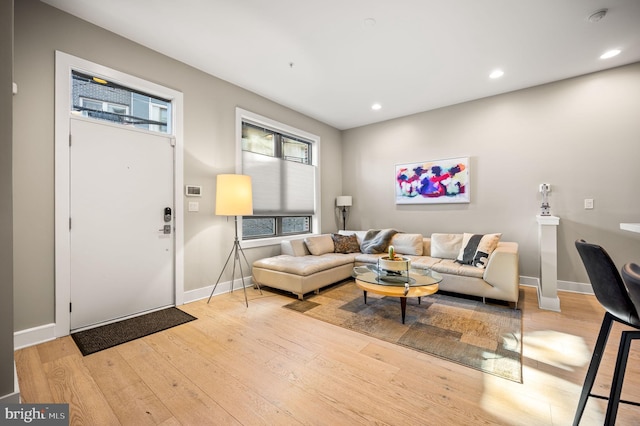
(121, 242)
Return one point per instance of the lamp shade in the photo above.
(234, 196)
(343, 201)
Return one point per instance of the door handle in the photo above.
(166, 229)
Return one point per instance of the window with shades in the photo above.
(281, 163)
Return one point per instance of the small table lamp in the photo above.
(234, 197)
(344, 201)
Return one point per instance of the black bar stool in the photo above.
(612, 294)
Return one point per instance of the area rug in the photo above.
(110, 335)
(482, 336)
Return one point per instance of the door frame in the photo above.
(64, 63)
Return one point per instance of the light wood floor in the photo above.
(269, 365)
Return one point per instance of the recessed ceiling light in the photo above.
(610, 54)
(496, 74)
(376, 107)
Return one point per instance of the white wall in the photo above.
(580, 135)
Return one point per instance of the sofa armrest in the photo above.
(295, 247)
(502, 269)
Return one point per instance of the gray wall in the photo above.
(580, 135)
(209, 137)
(6, 210)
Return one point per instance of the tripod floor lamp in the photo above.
(234, 197)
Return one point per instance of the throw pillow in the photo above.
(476, 249)
(359, 234)
(377, 241)
(345, 243)
(321, 244)
(407, 243)
(445, 246)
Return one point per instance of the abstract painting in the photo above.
(433, 182)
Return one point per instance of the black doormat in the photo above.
(110, 335)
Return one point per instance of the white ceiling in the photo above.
(324, 59)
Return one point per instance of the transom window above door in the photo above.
(97, 98)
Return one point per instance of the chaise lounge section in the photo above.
(310, 263)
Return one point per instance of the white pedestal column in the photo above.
(548, 242)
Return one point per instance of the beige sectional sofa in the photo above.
(310, 263)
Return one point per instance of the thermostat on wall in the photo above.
(193, 191)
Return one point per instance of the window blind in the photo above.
(280, 187)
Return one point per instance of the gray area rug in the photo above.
(106, 336)
(466, 331)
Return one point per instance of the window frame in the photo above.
(108, 106)
(104, 105)
(158, 107)
(243, 115)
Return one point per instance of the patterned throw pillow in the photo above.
(345, 243)
(476, 249)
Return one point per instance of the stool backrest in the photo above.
(607, 283)
(631, 277)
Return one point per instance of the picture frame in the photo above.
(433, 182)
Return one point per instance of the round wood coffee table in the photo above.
(414, 283)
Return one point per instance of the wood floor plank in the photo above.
(70, 382)
(239, 400)
(56, 349)
(129, 397)
(188, 403)
(268, 365)
(34, 385)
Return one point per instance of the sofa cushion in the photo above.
(320, 244)
(345, 243)
(410, 244)
(304, 265)
(452, 267)
(295, 247)
(424, 262)
(369, 258)
(446, 246)
(476, 249)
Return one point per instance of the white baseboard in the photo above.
(573, 287)
(45, 333)
(529, 281)
(568, 286)
(553, 303)
(222, 288)
(33, 336)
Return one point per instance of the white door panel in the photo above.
(121, 180)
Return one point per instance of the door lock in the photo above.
(167, 214)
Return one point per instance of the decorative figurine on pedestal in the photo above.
(545, 210)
